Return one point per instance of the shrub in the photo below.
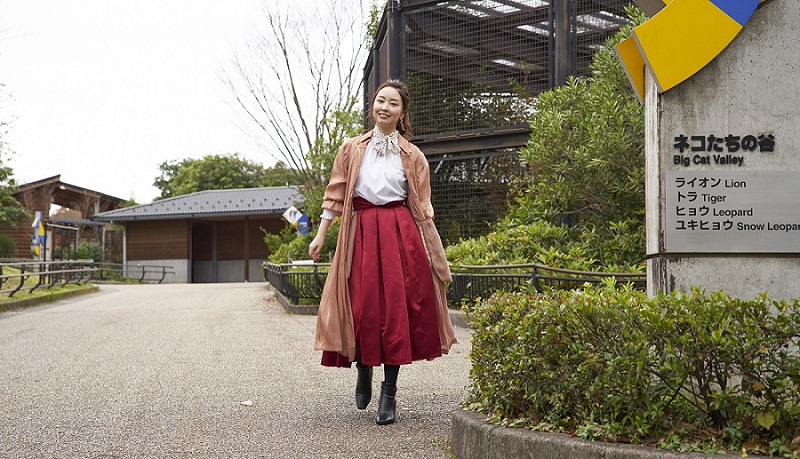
(683, 371)
(289, 245)
(584, 198)
(90, 250)
(8, 248)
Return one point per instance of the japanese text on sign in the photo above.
(732, 211)
(711, 149)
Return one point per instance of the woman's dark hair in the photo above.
(404, 123)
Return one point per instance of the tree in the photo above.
(11, 212)
(584, 199)
(295, 86)
(299, 95)
(587, 157)
(217, 172)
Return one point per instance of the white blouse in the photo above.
(381, 179)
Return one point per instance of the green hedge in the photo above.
(8, 247)
(693, 372)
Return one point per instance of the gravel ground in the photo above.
(202, 370)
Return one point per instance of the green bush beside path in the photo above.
(692, 372)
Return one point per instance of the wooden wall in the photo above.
(172, 239)
(157, 240)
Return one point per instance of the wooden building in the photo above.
(40, 196)
(209, 236)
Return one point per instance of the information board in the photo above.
(733, 211)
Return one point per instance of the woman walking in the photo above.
(384, 298)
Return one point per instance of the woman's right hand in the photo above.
(315, 247)
(319, 239)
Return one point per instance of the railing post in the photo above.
(535, 279)
(54, 277)
(21, 281)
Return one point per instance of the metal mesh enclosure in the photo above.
(470, 191)
(595, 21)
(471, 67)
(476, 64)
(474, 68)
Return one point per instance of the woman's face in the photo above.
(387, 109)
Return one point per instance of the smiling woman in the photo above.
(384, 297)
(387, 110)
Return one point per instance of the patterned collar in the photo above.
(383, 143)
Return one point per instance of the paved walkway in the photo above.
(162, 371)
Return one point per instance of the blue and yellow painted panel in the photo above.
(682, 38)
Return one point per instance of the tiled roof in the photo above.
(212, 203)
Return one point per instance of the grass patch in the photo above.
(42, 292)
(445, 444)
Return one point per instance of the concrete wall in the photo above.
(751, 87)
(179, 266)
(228, 271)
(256, 271)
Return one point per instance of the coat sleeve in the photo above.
(337, 185)
(424, 188)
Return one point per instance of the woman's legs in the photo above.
(387, 404)
(363, 385)
(390, 373)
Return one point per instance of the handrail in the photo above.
(549, 268)
(296, 265)
(67, 271)
(304, 280)
(511, 266)
(160, 271)
(62, 272)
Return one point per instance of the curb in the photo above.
(39, 300)
(291, 308)
(459, 318)
(473, 438)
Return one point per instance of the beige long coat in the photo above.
(335, 317)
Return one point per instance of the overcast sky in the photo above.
(106, 90)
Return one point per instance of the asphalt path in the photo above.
(202, 370)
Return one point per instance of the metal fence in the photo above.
(470, 283)
(28, 276)
(21, 276)
(297, 281)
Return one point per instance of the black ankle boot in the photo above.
(386, 405)
(363, 387)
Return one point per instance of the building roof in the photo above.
(211, 203)
(65, 195)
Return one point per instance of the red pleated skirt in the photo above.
(391, 290)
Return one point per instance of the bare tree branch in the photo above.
(297, 76)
